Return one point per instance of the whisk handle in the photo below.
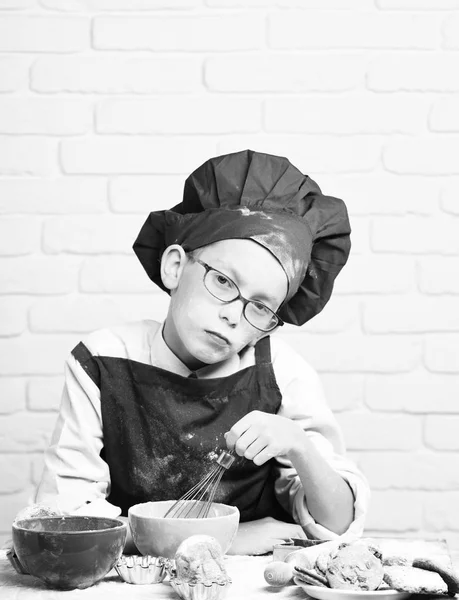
(225, 459)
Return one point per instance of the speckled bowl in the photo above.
(153, 534)
(69, 552)
(141, 569)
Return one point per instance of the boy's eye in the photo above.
(223, 281)
(260, 308)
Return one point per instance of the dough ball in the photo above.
(199, 558)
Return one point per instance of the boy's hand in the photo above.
(260, 436)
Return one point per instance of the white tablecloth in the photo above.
(246, 573)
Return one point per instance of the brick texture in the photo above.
(351, 30)
(435, 275)
(13, 73)
(450, 32)
(115, 75)
(19, 237)
(52, 196)
(349, 154)
(107, 105)
(411, 471)
(448, 199)
(12, 395)
(43, 116)
(441, 353)
(108, 274)
(179, 115)
(215, 33)
(38, 275)
(413, 392)
(356, 113)
(386, 193)
(145, 194)
(284, 72)
(134, 155)
(400, 512)
(43, 34)
(33, 156)
(440, 432)
(117, 5)
(417, 4)
(14, 315)
(79, 235)
(414, 72)
(44, 393)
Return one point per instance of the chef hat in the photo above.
(252, 195)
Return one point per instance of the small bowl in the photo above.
(153, 534)
(69, 552)
(141, 569)
(200, 591)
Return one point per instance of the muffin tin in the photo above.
(200, 591)
(141, 569)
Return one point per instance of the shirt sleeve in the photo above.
(303, 400)
(76, 480)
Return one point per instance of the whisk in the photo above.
(196, 503)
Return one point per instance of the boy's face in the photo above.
(200, 329)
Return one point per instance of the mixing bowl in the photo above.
(69, 552)
(159, 536)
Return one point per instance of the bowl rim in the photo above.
(118, 525)
(234, 512)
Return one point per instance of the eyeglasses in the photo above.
(224, 289)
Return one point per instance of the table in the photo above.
(246, 573)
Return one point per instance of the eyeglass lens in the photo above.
(223, 288)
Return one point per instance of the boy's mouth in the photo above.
(217, 337)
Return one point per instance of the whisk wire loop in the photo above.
(197, 501)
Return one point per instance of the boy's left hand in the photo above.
(260, 436)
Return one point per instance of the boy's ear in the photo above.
(173, 261)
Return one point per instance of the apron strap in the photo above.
(88, 362)
(90, 366)
(263, 351)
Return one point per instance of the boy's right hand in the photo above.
(259, 537)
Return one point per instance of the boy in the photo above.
(147, 407)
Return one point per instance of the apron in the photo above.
(162, 432)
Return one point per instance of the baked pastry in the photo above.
(355, 566)
(448, 575)
(198, 559)
(414, 580)
(322, 562)
(34, 511)
(310, 576)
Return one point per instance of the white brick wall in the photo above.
(106, 105)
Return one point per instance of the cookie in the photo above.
(322, 562)
(354, 566)
(448, 575)
(414, 580)
(310, 576)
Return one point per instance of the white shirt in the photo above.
(76, 480)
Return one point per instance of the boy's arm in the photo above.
(321, 488)
(316, 483)
(75, 478)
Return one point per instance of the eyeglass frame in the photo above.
(245, 301)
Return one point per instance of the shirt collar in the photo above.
(162, 356)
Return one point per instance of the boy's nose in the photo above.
(232, 312)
